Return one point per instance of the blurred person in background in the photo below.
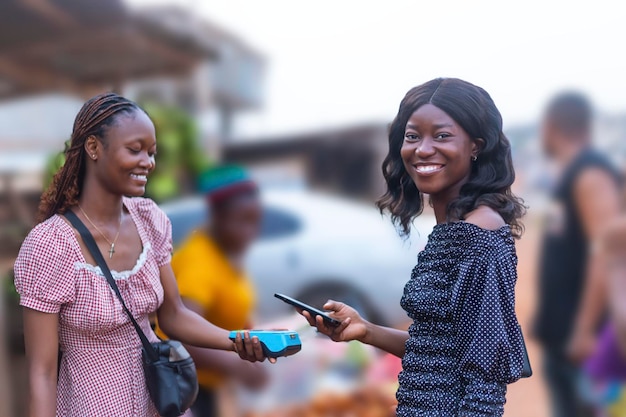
(615, 244)
(572, 299)
(605, 370)
(465, 344)
(67, 301)
(212, 282)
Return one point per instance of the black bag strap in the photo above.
(97, 255)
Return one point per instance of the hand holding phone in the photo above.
(328, 320)
(351, 324)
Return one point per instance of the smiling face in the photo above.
(125, 156)
(437, 152)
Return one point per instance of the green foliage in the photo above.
(179, 159)
(55, 162)
(8, 288)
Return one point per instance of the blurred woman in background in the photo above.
(212, 281)
(465, 344)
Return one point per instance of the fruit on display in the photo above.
(368, 401)
(328, 379)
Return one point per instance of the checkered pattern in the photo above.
(101, 372)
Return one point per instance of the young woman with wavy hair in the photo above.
(67, 300)
(464, 345)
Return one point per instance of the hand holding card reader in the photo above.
(311, 310)
(275, 343)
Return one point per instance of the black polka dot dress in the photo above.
(465, 344)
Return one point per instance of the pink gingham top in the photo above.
(101, 372)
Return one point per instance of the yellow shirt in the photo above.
(206, 277)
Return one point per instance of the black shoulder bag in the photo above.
(168, 368)
(527, 370)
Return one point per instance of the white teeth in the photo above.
(427, 168)
(139, 177)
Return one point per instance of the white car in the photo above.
(315, 247)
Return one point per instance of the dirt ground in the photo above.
(528, 397)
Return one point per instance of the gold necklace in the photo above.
(119, 228)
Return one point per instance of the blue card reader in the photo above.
(275, 343)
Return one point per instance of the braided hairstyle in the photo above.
(95, 117)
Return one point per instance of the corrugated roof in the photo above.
(84, 46)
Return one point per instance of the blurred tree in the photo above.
(179, 158)
(54, 164)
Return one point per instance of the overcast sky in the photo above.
(334, 62)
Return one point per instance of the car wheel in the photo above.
(324, 290)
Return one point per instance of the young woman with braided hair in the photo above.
(68, 302)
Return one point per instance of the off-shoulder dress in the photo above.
(465, 344)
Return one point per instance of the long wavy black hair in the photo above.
(492, 175)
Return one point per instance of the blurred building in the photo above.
(81, 48)
(56, 53)
(76, 49)
(229, 82)
(345, 161)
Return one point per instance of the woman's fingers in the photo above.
(239, 345)
(257, 349)
(334, 333)
(308, 317)
(249, 348)
(332, 305)
(249, 343)
(319, 323)
(344, 324)
(322, 327)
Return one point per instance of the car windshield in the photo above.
(276, 223)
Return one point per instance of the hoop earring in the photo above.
(474, 158)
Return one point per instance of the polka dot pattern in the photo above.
(465, 344)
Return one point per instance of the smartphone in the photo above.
(311, 310)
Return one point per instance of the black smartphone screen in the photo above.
(311, 310)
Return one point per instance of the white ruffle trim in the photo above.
(117, 275)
